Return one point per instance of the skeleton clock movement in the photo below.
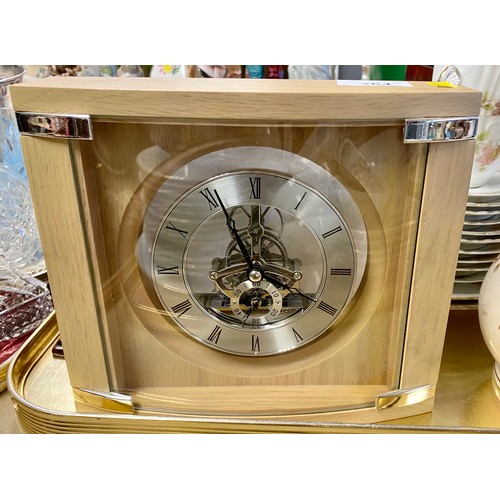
(249, 251)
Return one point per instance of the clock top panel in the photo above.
(245, 99)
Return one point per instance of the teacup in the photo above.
(487, 155)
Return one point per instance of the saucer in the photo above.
(489, 192)
(466, 291)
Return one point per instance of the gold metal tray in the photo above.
(465, 401)
(39, 273)
(3, 374)
(4, 366)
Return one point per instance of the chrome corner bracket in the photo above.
(404, 397)
(55, 125)
(105, 401)
(440, 129)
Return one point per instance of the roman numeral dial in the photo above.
(167, 270)
(340, 272)
(331, 232)
(323, 306)
(211, 199)
(255, 184)
(171, 227)
(182, 308)
(215, 335)
(253, 262)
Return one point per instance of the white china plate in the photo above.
(481, 233)
(487, 205)
(494, 223)
(489, 192)
(471, 269)
(485, 252)
(482, 214)
(457, 305)
(471, 278)
(482, 208)
(480, 248)
(480, 242)
(466, 291)
(462, 275)
(467, 261)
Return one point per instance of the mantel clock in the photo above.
(250, 250)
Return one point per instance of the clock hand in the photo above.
(232, 226)
(279, 284)
(256, 230)
(250, 311)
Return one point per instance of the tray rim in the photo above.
(36, 419)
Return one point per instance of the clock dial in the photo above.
(253, 262)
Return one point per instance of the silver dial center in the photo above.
(256, 303)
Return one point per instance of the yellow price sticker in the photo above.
(443, 84)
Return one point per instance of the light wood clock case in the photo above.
(269, 250)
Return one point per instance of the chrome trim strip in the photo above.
(440, 129)
(404, 397)
(54, 125)
(105, 401)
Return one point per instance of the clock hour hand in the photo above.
(232, 227)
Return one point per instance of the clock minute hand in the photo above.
(292, 290)
(232, 226)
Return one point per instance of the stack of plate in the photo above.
(480, 243)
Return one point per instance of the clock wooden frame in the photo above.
(380, 363)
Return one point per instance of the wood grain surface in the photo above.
(245, 99)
